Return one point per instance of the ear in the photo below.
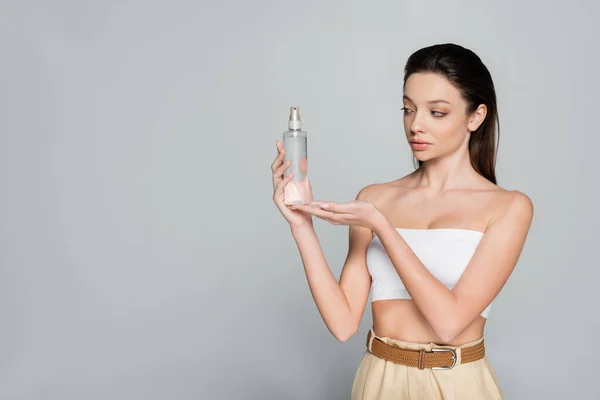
(477, 117)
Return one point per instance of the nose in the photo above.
(416, 125)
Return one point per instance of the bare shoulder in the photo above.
(376, 192)
(521, 201)
(520, 204)
(513, 204)
(379, 191)
(370, 192)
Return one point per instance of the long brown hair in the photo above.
(465, 70)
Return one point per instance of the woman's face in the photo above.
(435, 112)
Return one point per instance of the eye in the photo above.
(437, 114)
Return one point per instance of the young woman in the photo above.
(434, 248)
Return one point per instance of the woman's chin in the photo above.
(422, 155)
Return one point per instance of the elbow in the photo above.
(447, 337)
(343, 338)
(449, 327)
(448, 333)
(346, 334)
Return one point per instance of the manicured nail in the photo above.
(324, 205)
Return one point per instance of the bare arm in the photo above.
(449, 312)
(342, 304)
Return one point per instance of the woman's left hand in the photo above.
(356, 212)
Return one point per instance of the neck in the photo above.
(449, 172)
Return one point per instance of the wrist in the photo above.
(380, 222)
(305, 227)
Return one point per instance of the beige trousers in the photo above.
(380, 379)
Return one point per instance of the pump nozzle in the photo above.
(294, 122)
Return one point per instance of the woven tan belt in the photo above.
(438, 358)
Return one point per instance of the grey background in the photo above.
(141, 254)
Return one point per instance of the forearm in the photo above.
(435, 301)
(324, 287)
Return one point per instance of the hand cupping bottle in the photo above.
(298, 190)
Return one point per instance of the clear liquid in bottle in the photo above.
(295, 142)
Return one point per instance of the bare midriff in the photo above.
(401, 319)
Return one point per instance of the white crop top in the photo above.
(444, 251)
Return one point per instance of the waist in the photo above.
(424, 355)
(402, 320)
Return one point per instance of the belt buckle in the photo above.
(437, 350)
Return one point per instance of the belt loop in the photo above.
(421, 359)
(370, 340)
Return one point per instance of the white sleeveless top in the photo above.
(444, 251)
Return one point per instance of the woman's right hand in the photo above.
(295, 218)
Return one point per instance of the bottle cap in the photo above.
(294, 122)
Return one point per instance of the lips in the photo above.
(419, 146)
(419, 142)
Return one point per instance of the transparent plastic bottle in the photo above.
(295, 142)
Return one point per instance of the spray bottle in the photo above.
(298, 190)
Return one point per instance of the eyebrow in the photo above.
(405, 97)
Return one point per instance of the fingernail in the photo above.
(324, 205)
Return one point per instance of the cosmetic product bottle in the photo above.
(298, 190)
